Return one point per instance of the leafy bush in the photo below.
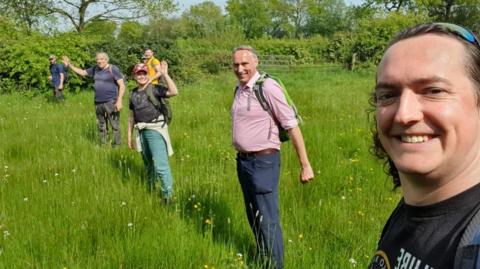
(305, 51)
(339, 48)
(366, 45)
(24, 60)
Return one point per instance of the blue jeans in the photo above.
(258, 176)
(155, 158)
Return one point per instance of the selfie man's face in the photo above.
(427, 117)
(244, 66)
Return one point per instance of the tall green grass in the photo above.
(66, 202)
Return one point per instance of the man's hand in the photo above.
(297, 139)
(163, 67)
(306, 174)
(118, 106)
(49, 77)
(66, 61)
(130, 144)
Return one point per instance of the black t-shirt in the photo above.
(143, 109)
(425, 237)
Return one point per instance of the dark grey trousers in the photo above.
(106, 113)
(58, 93)
(258, 178)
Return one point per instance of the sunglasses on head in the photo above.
(460, 31)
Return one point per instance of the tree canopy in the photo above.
(81, 12)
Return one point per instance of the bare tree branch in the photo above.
(82, 12)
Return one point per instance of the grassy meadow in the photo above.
(66, 202)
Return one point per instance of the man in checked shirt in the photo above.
(256, 139)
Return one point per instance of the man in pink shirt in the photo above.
(256, 139)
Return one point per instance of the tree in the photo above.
(25, 13)
(396, 5)
(326, 17)
(130, 31)
(105, 29)
(252, 15)
(203, 20)
(81, 12)
(163, 28)
(281, 13)
(291, 15)
(463, 12)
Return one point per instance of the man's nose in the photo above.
(409, 108)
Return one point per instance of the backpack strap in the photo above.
(158, 104)
(258, 90)
(467, 255)
(151, 96)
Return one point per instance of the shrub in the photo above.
(367, 44)
(24, 60)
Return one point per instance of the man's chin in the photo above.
(243, 80)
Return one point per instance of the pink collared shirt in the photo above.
(253, 129)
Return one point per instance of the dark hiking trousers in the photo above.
(58, 93)
(106, 113)
(258, 176)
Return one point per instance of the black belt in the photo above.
(262, 152)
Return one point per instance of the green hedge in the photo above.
(24, 64)
(24, 60)
(367, 43)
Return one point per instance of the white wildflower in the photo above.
(353, 262)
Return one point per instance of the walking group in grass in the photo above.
(426, 107)
(255, 134)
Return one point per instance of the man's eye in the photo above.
(385, 96)
(435, 91)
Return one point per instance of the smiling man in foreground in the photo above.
(428, 131)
